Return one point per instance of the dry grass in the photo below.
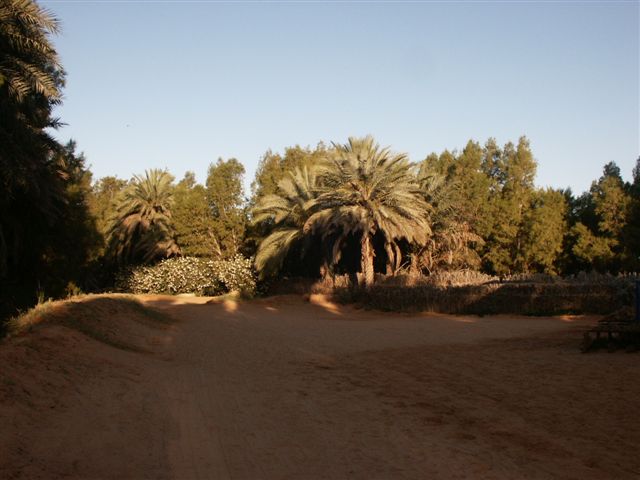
(469, 292)
(97, 316)
(491, 299)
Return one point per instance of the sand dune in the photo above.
(288, 388)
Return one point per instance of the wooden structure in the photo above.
(618, 333)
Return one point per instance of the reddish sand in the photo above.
(283, 388)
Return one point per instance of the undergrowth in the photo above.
(468, 292)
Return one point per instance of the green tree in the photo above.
(142, 230)
(473, 188)
(597, 237)
(226, 201)
(452, 243)
(102, 201)
(274, 167)
(458, 188)
(631, 232)
(513, 172)
(611, 202)
(589, 249)
(543, 231)
(74, 241)
(367, 190)
(193, 220)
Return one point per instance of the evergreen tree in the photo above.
(513, 172)
(226, 201)
(631, 232)
(102, 202)
(468, 199)
(193, 220)
(472, 195)
(597, 238)
(274, 167)
(542, 232)
(611, 201)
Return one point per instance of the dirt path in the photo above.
(282, 388)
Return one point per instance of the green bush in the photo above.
(190, 275)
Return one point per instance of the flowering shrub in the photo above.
(236, 274)
(190, 275)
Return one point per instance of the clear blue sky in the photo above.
(179, 84)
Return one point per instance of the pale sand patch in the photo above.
(288, 388)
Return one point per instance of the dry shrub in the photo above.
(471, 292)
(526, 295)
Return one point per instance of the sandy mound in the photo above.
(59, 374)
(117, 320)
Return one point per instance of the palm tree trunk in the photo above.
(336, 253)
(366, 259)
(398, 253)
(413, 269)
(391, 261)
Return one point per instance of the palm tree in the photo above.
(31, 186)
(141, 229)
(287, 213)
(29, 63)
(450, 245)
(365, 190)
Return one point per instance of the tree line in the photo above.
(332, 209)
(477, 208)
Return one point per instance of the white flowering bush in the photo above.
(237, 275)
(190, 275)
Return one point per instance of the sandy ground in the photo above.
(287, 389)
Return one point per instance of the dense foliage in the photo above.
(46, 231)
(190, 275)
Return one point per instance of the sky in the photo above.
(178, 84)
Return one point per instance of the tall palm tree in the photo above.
(31, 79)
(287, 213)
(367, 189)
(141, 229)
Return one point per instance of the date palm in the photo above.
(141, 229)
(31, 79)
(29, 63)
(450, 246)
(365, 190)
(286, 212)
